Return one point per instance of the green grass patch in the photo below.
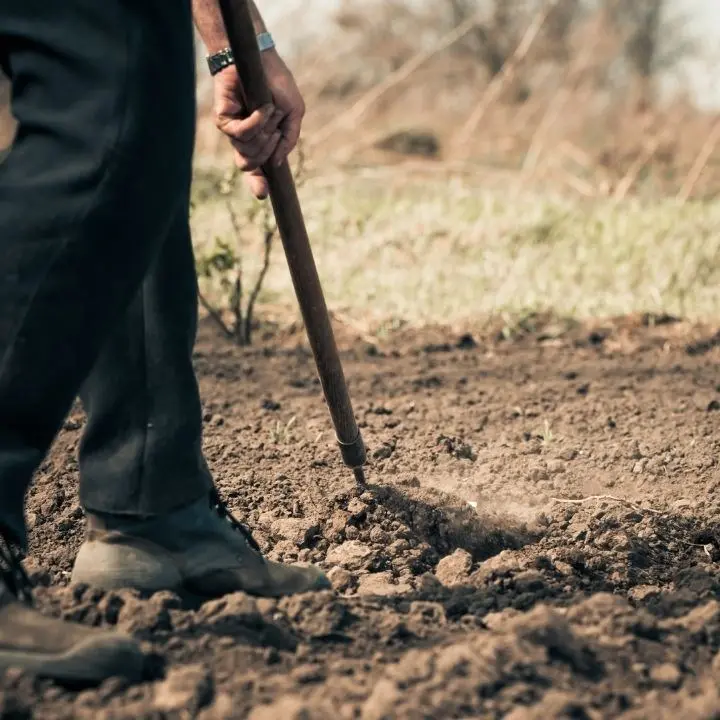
(450, 251)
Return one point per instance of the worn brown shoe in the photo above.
(54, 649)
(200, 551)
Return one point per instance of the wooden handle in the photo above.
(291, 225)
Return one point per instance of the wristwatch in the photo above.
(220, 60)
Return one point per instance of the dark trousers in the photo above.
(98, 295)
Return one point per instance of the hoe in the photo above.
(296, 244)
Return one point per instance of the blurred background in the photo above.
(481, 159)
(588, 93)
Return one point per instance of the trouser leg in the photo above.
(101, 166)
(141, 451)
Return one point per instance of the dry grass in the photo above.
(564, 103)
(406, 248)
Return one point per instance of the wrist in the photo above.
(223, 57)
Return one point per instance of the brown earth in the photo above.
(526, 607)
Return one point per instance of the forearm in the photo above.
(209, 22)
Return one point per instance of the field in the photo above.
(519, 246)
(540, 531)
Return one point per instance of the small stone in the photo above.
(47, 508)
(378, 536)
(341, 579)
(398, 547)
(640, 593)
(569, 454)
(563, 568)
(357, 509)
(578, 531)
(529, 581)
(337, 524)
(381, 585)
(166, 600)
(666, 674)
(352, 555)
(556, 467)
(351, 532)
(286, 550)
(134, 615)
(538, 474)
(299, 531)
(454, 569)
(501, 564)
(384, 452)
(237, 607)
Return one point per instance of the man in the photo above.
(98, 299)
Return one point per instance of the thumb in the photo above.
(258, 184)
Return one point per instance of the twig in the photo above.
(237, 296)
(362, 105)
(614, 498)
(215, 315)
(583, 187)
(505, 75)
(269, 235)
(624, 186)
(558, 105)
(700, 163)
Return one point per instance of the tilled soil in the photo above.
(466, 583)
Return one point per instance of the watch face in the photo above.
(219, 60)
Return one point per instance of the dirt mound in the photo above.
(539, 539)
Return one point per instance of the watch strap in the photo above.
(223, 58)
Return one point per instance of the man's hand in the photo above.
(271, 132)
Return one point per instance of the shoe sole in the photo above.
(90, 662)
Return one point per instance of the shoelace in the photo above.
(13, 574)
(221, 509)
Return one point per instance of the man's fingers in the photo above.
(290, 135)
(265, 120)
(258, 184)
(252, 156)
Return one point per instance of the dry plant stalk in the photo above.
(240, 330)
(700, 163)
(363, 104)
(631, 176)
(552, 164)
(500, 81)
(613, 498)
(557, 105)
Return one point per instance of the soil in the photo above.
(466, 584)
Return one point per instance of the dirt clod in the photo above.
(454, 569)
(188, 688)
(352, 555)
